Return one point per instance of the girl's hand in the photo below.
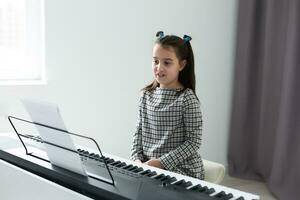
(154, 163)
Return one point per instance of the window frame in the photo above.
(35, 17)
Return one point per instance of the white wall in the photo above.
(98, 57)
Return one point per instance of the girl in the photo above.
(169, 128)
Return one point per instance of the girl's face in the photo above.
(166, 67)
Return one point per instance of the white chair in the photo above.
(214, 172)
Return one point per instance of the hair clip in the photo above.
(187, 38)
(160, 34)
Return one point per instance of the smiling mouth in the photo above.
(160, 75)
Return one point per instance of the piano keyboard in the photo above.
(189, 183)
(164, 176)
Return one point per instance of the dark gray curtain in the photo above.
(264, 141)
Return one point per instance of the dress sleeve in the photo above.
(137, 148)
(192, 119)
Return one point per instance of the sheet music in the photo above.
(48, 114)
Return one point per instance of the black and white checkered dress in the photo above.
(170, 128)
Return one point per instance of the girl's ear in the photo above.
(182, 65)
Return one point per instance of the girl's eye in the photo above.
(167, 63)
(155, 62)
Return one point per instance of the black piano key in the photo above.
(146, 172)
(151, 174)
(127, 166)
(203, 189)
(160, 176)
(91, 155)
(166, 177)
(138, 170)
(81, 152)
(228, 196)
(196, 187)
(96, 156)
(240, 198)
(210, 191)
(220, 194)
(106, 158)
(132, 168)
(86, 153)
(170, 180)
(122, 164)
(101, 158)
(115, 163)
(181, 182)
(109, 161)
(188, 184)
(223, 196)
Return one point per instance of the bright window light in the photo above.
(22, 49)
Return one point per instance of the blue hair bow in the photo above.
(160, 34)
(187, 38)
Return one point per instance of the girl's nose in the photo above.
(159, 67)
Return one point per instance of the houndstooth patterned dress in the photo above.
(170, 128)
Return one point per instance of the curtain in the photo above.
(264, 140)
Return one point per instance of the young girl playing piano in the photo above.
(169, 128)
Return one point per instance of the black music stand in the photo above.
(20, 136)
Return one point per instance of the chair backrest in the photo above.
(214, 172)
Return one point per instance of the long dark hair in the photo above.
(183, 51)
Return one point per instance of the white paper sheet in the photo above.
(48, 114)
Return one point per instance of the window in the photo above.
(22, 59)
